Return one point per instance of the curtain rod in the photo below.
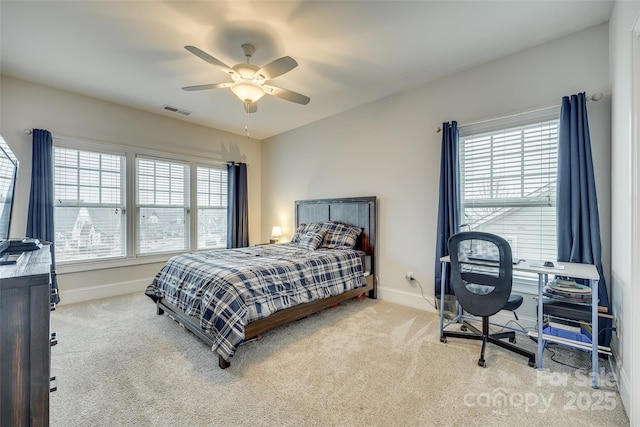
(596, 97)
(127, 147)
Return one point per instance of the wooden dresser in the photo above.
(25, 340)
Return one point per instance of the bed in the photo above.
(227, 297)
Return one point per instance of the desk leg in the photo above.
(595, 332)
(443, 272)
(541, 279)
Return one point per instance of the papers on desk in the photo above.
(568, 291)
(541, 265)
(569, 287)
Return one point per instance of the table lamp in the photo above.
(276, 233)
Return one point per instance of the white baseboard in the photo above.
(624, 384)
(407, 299)
(73, 296)
(428, 304)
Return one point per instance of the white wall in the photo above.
(625, 181)
(390, 149)
(25, 105)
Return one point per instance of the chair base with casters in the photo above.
(485, 336)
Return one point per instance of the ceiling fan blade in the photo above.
(250, 107)
(209, 86)
(277, 68)
(210, 59)
(287, 94)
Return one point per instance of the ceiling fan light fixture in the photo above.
(247, 91)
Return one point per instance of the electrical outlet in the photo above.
(617, 323)
(409, 276)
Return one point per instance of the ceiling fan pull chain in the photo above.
(246, 123)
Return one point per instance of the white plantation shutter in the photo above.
(89, 214)
(508, 182)
(162, 206)
(212, 207)
(91, 217)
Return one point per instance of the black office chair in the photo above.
(482, 274)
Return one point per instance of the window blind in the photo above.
(508, 183)
(162, 206)
(212, 207)
(89, 205)
(93, 190)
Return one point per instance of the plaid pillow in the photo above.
(340, 236)
(304, 229)
(311, 240)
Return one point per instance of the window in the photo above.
(94, 184)
(89, 215)
(162, 206)
(212, 207)
(508, 182)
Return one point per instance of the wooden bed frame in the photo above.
(355, 211)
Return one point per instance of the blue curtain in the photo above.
(40, 216)
(449, 203)
(237, 207)
(578, 222)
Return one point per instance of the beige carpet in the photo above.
(364, 363)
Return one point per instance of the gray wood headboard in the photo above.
(355, 211)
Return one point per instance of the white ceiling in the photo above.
(349, 52)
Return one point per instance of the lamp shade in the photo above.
(276, 231)
(247, 91)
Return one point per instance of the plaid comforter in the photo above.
(228, 289)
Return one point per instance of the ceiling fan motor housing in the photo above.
(246, 72)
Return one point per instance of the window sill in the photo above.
(91, 265)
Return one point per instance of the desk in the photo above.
(569, 269)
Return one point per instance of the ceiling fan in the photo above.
(249, 81)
